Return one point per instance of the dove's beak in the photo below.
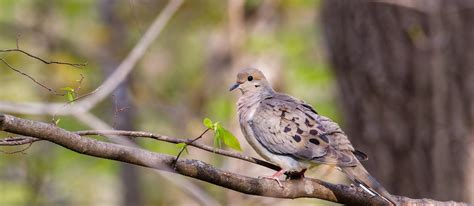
(235, 86)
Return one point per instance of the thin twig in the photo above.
(76, 65)
(17, 41)
(14, 141)
(70, 102)
(185, 147)
(174, 140)
(33, 79)
(18, 151)
(42, 60)
(179, 140)
(75, 98)
(79, 85)
(184, 184)
(117, 110)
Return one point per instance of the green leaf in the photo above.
(218, 138)
(221, 135)
(70, 96)
(208, 123)
(218, 141)
(227, 137)
(68, 89)
(69, 93)
(180, 146)
(231, 141)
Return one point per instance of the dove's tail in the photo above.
(360, 176)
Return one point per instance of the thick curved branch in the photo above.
(27, 140)
(305, 187)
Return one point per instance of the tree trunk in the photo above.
(122, 111)
(405, 72)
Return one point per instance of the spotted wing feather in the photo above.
(287, 126)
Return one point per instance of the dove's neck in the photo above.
(253, 97)
(248, 102)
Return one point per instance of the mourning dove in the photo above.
(291, 134)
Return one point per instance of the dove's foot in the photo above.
(275, 177)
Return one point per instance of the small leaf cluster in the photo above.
(70, 93)
(222, 135)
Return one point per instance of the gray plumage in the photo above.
(291, 134)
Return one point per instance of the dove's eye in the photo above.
(250, 78)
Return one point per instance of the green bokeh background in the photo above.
(173, 87)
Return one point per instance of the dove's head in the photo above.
(251, 81)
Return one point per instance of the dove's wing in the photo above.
(287, 126)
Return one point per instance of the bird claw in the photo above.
(272, 178)
(275, 176)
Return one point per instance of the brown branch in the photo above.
(76, 65)
(305, 187)
(180, 140)
(183, 183)
(14, 141)
(185, 148)
(26, 140)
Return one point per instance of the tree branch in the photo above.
(15, 141)
(188, 187)
(179, 140)
(76, 65)
(26, 140)
(306, 187)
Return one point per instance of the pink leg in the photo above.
(276, 176)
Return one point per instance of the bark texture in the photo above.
(406, 79)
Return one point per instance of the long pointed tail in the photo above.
(360, 176)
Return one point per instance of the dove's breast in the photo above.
(246, 112)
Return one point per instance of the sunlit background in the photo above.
(183, 78)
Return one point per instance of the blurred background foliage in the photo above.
(183, 78)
